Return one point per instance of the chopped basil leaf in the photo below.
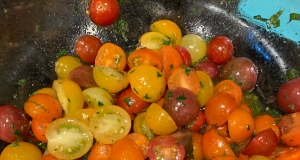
(294, 16)
(291, 74)
(258, 17)
(180, 98)
(275, 19)
(158, 74)
(22, 82)
(122, 28)
(100, 103)
(62, 53)
(128, 101)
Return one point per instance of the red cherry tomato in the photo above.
(220, 50)
(104, 12)
(86, 48)
(288, 96)
(185, 55)
(198, 123)
(165, 147)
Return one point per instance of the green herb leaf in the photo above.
(201, 84)
(121, 2)
(62, 53)
(146, 97)
(252, 101)
(294, 16)
(37, 27)
(128, 101)
(187, 70)
(100, 104)
(291, 74)
(18, 133)
(22, 82)
(159, 75)
(5, 12)
(258, 17)
(275, 19)
(171, 66)
(135, 91)
(169, 94)
(122, 28)
(181, 98)
(273, 112)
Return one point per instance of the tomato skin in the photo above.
(100, 151)
(230, 87)
(83, 76)
(39, 129)
(165, 147)
(129, 101)
(197, 146)
(144, 56)
(264, 143)
(220, 50)
(185, 55)
(289, 127)
(126, 149)
(208, 67)
(104, 12)
(288, 96)
(12, 120)
(141, 141)
(198, 123)
(86, 47)
(286, 153)
(22, 151)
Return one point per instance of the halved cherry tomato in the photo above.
(286, 153)
(214, 145)
(264, 122)
(230, 87)
(104, 12)
(170, 58)
(141, 141)
(144, 56)
(185, 55)
(39, 129)
(165, 147)
(225, 157)
(100, 151)
(289, 127)
(49, 157)
(218, 108)
(86, 47)
(206, 88)
(246, 108)
(43, 107)
(186, 78)
(126, 149)
(197, 146)
(198, 123)
(264, 143)
(130, 102)
(47, 90)
(111, 55)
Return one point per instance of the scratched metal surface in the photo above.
(33, 32)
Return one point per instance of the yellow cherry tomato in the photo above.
(83, 115)
(47, 90)
(207, 88)
(147, 82)
(159, 121)
(195, 45)
(21, 151)
(168, 28)
(153, 40)
(65, 64)
(96, 97)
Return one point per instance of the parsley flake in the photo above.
(22, 82)
(159, 74)
(100, 104)
(128, 101)
(273, 20)
(62, 53)
(146, 97)
(169, 94)
(135, 91)
(291, 74)
(294, 16)
(122, 28)
(181, 98)
(37, 27)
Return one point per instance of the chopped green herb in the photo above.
(76, 9)
(258, 17)
(294, 16)
(159, 74)
(194, 10)
(117, 60)
(252, 101)
(37, 27)
(100, 103)
(112, 75)
(131, 71)
(18, 133)
(291, 74)
(122, 28)
(187, 70)
(273, 112)
(11, 125)
(15, 143)
(171, 66)
(62, 53)
(22, 82)
(97, 112)
(121, 2)
(135, 91)
(5, 12)
(201, 84)
(291, 106)
(169, 94)
(180, 98)
(146, 97)
(128, 101)
(273, 20)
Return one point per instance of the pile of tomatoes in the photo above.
(174, 97)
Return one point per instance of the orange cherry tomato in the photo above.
(126, 149)
(186, 78)
(39, 129)
(111, 55)
(240, 125)
(100, 151)
(218, 108)
(230, 87)
(43, 107)
(49, 157)
(286, 153)
(246, 108)
(226, 157)
(144, 56)
(197, 146)
(289, 126)
(222, 130)
(242, 157)
(214, 145)
(170, 58)
(141, 140)
(264, 122)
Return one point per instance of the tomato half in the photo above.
(104, 12)
(68, 138)
(230, 87)
(140, 126)
(290, 129)
(144, 56)
(126, 149)
(165, 147)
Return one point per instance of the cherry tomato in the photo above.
(165, 147)
(104, 12)
(218, 108)
(208, 67)
(185, 55)
(159, 121)
(86, 47)
(130, 102)
(21, 151)
(195, 45)
(170, 58)
(289, 127)
(231, 88)
(288, 96)
(83, 76)
(140, 126)
(43, 107)
(64, 65)
(186, 78)
(225, 157)
(264, 143)
(83, 115)
(49, 157)
(68, 138)
(126, 149)
(242, 71)
(109, 124)
(39, 129)
(47, 90)
(220, 49)
(240, 125)
(197, 146)
(144, 56)
(97, 97)
(100, 151)
(141, 141)
(198, 123)
(14, 123)
(264, 122)
(111, 55)
(214, 145)
(182, 105)
(206, 88)
(286, 153)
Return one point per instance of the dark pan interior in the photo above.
(32, 33)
